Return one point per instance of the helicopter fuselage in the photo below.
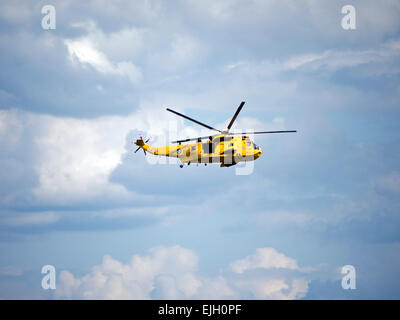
(225, 149)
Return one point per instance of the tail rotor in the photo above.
(141, 143)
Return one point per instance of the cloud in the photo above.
(264, 258)
(53, 167)
(151, 48)
(330, 60)
(172, 273)
(64, 89)
(69, 158)
(171, 269)
(333, 60)
(76, 158)
(84, 52)
(277, 285)
(275, 289)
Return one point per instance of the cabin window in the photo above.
(208, 147)
(193, 148)
(221, 139)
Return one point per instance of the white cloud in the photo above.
(297, 61)
(171, 273)
(83, 51)
(71, 159)
(77, 156)
(264, 258)
(334, 59)
(330, 60)
(276, 289)
(171, 269)
(154, 50)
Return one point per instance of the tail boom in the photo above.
(168, 151)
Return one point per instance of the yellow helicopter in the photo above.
(225, 148)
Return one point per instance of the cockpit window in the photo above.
(248, 143)
(256, 147)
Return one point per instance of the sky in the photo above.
(118, 225)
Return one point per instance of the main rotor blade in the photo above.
(195, 121)
(190, 139)
(261, 132)
(235, 115)
(233, 134)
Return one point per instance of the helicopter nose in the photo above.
(258, 153)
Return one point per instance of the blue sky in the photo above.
(115, 225)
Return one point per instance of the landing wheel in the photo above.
(181, 166)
